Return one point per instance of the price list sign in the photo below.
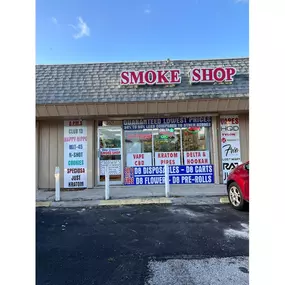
(75, 154)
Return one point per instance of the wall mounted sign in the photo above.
(166, 123)
(150, 77)
(184, 174)
(75, 154)
(208, 75)
(173, 76)
(230, 144)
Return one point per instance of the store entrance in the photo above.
(110, 155)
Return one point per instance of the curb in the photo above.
(142, 201)
(43, 204)
(224, 200)
(134, 201)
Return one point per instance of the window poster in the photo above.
(230, 144)
(75, 154)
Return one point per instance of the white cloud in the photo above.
(54, 20)
(82, 30)
(147, 10)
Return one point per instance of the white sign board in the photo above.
(171, 158)
(139, 159)
(196, 157)
(113, 165)
(230, 144)
(75, 154)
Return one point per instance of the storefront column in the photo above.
(215, 150)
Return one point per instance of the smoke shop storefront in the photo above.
(134, 118)
(137, 152)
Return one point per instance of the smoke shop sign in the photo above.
(166, 123)
(173, 76)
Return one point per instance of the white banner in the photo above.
(171, 158)
(75, 154)
(113, 165)
(139, 159)
(196, 157)
(230, 144)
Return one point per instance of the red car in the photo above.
(238, 186)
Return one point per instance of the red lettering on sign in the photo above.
(150, 77)
(175, 78)
(167, 161)
(230, 71)
(195, 76)
(161, 77)
(207, 74)
(136, 77)
(124, 78)
(219, 74)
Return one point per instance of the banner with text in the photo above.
(166, 123)
(178, 174)
(114, 167)
(75, 154)
(110, 157)
(139, 159)
(196, 157)
(230, 144)
(171, 158)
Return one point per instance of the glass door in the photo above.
(110, 154)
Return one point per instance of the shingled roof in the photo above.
(99, 82)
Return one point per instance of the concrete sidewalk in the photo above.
(123, 192)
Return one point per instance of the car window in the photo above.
(246, 166)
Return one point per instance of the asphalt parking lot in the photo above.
(150, 244)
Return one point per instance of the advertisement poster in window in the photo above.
(139, 159)
(107, 159)
(230, 144)
(178, 174)
(196, 157)
(75, 154)
(170, 158)
(113, 165)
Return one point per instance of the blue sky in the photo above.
(79, 31)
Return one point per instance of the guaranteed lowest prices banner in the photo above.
(178, 174)
(75, 154)
(230, 144)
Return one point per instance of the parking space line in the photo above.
(224, 200)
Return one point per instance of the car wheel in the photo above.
(235, 196)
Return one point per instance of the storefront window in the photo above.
(194, 138)
(175, 142)
(167, 146)
(138, 146)
(195, 143)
